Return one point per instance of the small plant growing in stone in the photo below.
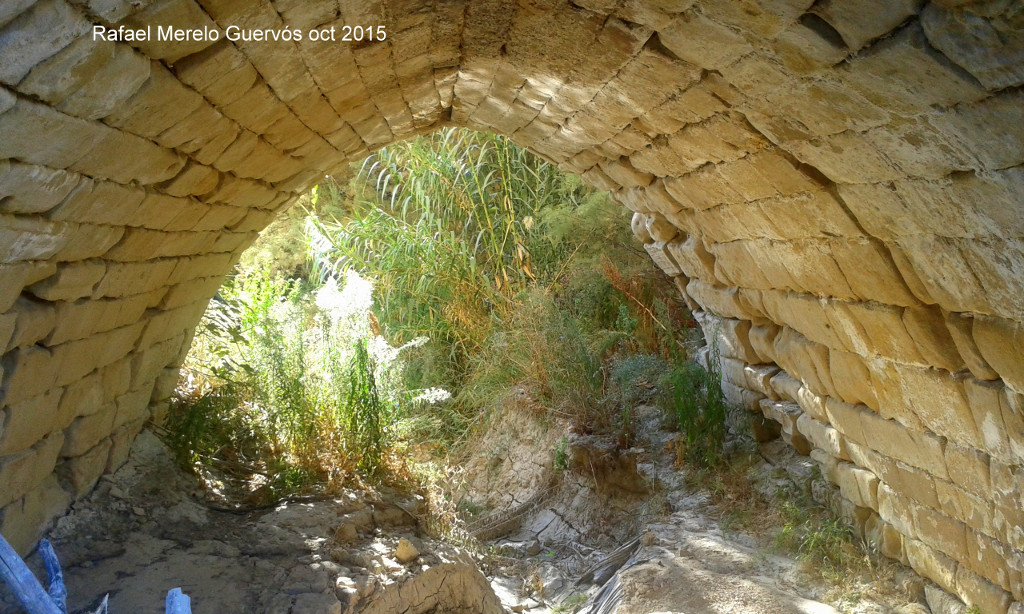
(562, 455)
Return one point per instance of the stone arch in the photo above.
(836, 187)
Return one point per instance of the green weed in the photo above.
(561, 455)
(693, 395)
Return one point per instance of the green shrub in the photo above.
(693, 395)
(292, 379)
(562, 454)
(493, 273)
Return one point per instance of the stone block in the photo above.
(209, 265)
(904, 73)
(861, 21)
(941, 602)
(183, 14)
(915, 483)
(166, 324)
(86, 396)
(990, 559)
(35, 320)
(758, 378)
(122, 440)
(28, 188)
(30, 238)
(82, 472)
(132, 278)
(721, 138)
(161, 102)
(191, 291)
(724, 302)
(825, 438)
(80, 319)
(87, 431)
(808, 360)
(941, 532)
(68, 70)
(78, 358)
(987, 401)
(123, 157)
(969, 469)
(787, 414)
(132, 406)
(786, 386)
(99, 202)
(24, 471)
(870, 271)
(746, 179)
(18, 275)
(148, 362)
(947, 278)
(223, 217)
(762, 339)
(622, 173)
(737, 396)
(975, 590)
(694, 259)
(851, 378)
(810, 45)
(930, 398)
(845, 158)
(926, 326)
(805, 314)
(1001, 343)
(730, 336)
(989, 131)
(120, 76)
(28, 422)
(896, 510)
(8, 322)
(12, 9)
(28, 372)
(702, 42)
(932, 564)
(885, 538)
(920, 449)
(969, 509)
(663, 258)
(660, 229)
(25, 520)
(37, 134)
(72, 281)
(960, 327)
(37, 34)
(986, 44)
(85, 241)
(1007, 485)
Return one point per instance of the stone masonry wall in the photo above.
(836, 186)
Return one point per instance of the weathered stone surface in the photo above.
(987, 44)
(29, 421)
(22, 472)
(26, 518)
(1001, 344)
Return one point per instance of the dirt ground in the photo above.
(144, 530)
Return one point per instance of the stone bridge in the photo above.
(836, 187)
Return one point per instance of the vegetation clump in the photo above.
(445, 274)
